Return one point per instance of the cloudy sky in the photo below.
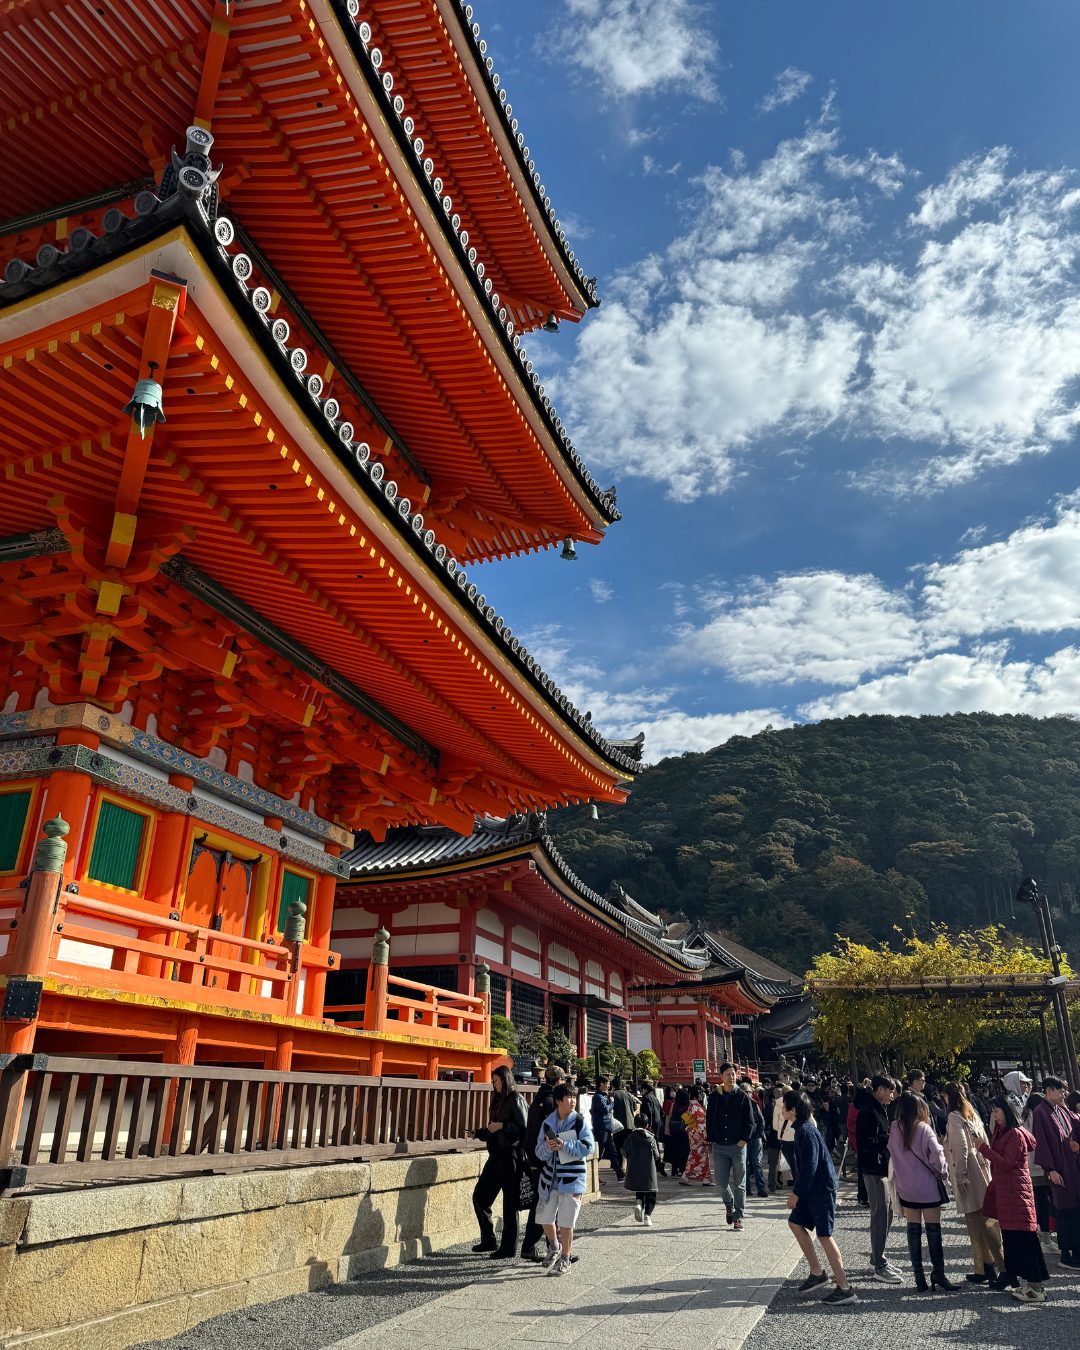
(836, 370)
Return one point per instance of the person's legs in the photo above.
(533, 1231)
(774, 1163)
(994, 1254)
(484, 1192)
(836, 1261)
(1068, 1225)
(721, 1171)
(880, 1219)
(510, 1191)
(862, 1193)
(753, 1162)
(914, 1243)
(650, 1202)
(974, 1225)
(806, 1245)
(738, 1181)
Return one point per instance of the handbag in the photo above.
(528, 1189)
(943, 1190)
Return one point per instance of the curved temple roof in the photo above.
(121, 235)
(412, 850)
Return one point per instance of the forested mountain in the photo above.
(789, 837)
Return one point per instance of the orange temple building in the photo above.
(266, 267)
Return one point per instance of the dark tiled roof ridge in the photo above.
(735, 954)
(153, 217)
(471, 30)
(493, 836)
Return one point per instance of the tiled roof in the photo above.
(370, 60)
(412, 849)
(471, 30)
(214, 239)
(777, 981)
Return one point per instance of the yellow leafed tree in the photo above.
(911, 1028)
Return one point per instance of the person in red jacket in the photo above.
(1010, 1198)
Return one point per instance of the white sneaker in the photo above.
(1028, 1294)
(639, 1211)
(561, 1266)
(888, 1276)
(553, 1254)
(648, 1220)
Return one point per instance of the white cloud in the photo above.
(623, 713)
(698, 354)
(826, 627)
(601, 590)
(1027, 583)
(982, 681)
(941, 343)
(790, 84)
(632, 49)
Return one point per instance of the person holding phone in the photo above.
(564, 1144)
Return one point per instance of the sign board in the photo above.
(699, 1071)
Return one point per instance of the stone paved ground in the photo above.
(688, 1280)
(897, 1318)
(688, 1275)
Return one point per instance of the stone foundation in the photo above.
(105, 1268)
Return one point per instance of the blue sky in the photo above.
(836, 370)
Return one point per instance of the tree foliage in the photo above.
(503, 1034)
(788, 838)
(648, 1065)
(559, 1051)
(891, 1028)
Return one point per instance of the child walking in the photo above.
(642, 1153)
(813, 1202)
(564, 1143)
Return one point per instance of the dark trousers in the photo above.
(787, 1148)
(647, 1200)
(605, 1147)
(1042, 1207)
(862, 1196)
(1068, 1231)
(494, 1180)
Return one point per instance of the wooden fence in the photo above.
(66, 1120)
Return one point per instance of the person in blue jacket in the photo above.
(564, 1144)
(812, 1201)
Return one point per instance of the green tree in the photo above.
(503, 1034)
(559, 1051)
(648, 1065)
(535, 1042)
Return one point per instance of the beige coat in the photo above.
(968, 1170)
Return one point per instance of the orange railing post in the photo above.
(375, 1000)
(33, 937)
(483, 992)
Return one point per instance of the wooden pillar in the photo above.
(466, 949)
(322, 919)
(67, 794)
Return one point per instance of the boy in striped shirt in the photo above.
(565, 1142)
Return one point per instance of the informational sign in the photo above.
(699, 1071)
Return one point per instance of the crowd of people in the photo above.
(1009, 1161)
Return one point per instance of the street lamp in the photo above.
(1029, 894)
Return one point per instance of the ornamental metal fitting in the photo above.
(52, 850)
(483, 978)
(144, 406)
(380, 951)
(295, 922)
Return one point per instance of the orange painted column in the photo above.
(67, 794)
(33, 938)
(375, 999)
(322, 920)
(168, 862)
(182, 1051)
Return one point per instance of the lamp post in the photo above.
(1029, 894)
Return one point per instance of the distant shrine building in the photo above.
(266, 270)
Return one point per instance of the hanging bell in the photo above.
(145, 406)
(569, 552)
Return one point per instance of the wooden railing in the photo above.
(442, 1013)
(77, 1120)
(96, 938)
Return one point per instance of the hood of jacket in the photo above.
(1014, 1082)
(863, 1097)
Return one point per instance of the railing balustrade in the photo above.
(71, 1121)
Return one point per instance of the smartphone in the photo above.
(549, 1133)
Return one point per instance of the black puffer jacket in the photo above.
(650, 1109)
(871, 1134)
(542, 1106)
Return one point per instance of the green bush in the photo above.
(503, 1034)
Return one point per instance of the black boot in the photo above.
(938, 1278)
(914, 1246)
